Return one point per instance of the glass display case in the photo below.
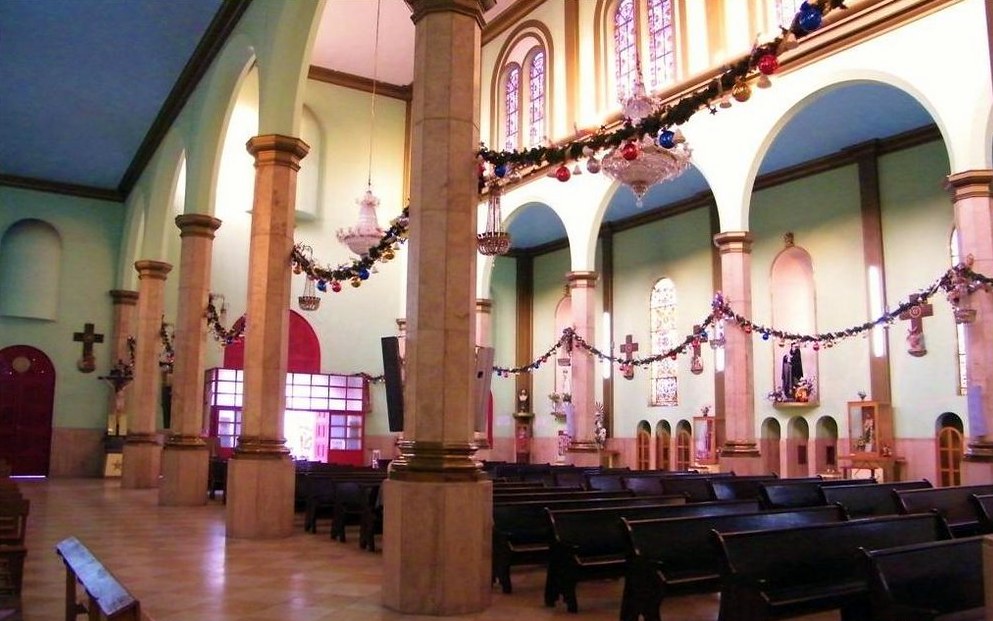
(870, 429)
(704, 440)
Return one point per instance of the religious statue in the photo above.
(792, 371)
(915, 341)
(523, 401)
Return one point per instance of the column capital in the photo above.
(734, 241)
(471, 8)
(124, 297)
(581, 280)
(152, 269)
(197, 225)
(484, 305)
(970, 184)
(277, 149)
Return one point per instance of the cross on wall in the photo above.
(915, 333)
(628, 348)
(87, 364)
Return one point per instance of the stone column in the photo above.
(142, 451)
(582, 290)
(185, 456)
(484, 338)
(260, 472)
(971, 194)
(739, 451)
(125, 303)
(437, 502)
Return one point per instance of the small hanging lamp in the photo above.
(309, 300)
(494, 240)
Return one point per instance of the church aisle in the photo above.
(181, 567)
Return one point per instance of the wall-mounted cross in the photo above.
(628, 348)
(915, 333)
(699, 336)
(87, 337)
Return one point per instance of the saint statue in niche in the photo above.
(523, 401)
(792, 371)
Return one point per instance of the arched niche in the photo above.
(794, 310)
(643, 446)
(684, 445)
(663, 445)
(950, 448)
(30, 270)
(563, 364)
(769, 446)
(826, 445)
(308, 197)
(797, 440)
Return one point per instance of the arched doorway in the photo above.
(684, 445)
(663, 444)
(769, 446)
(27, 393)
(950, 448)
(797, 462)
(643, 447)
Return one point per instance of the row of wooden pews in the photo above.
(14, 509)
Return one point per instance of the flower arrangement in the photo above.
(803, 390)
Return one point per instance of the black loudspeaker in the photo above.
(481, 387)
(393, 375)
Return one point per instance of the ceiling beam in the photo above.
(58, 187)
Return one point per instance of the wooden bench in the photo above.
(589, 544)
(217, 478)
(320, 490)
(779, 574)
(952, 503)
(983, 503)
(869, 500)
(938, 581)
(679, 555)
(522, 531)
(14, 521)
(738, 488)
(106, 596)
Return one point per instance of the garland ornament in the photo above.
(215, 321)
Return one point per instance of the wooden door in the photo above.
(644, 457)
(950, 456)
(684, 449)
(27, 393)
(662, 450)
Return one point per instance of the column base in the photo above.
(585, 454)
(141, 463)
(259, 496)
(437, 547)
(741, 457)
(184, 474)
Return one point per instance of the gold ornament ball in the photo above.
(741, 92)
(356, 282)
(388, 255)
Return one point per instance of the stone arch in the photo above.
(797, 449)
(826, 445)
(770, 445)
(30, 270)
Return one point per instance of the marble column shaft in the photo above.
(142, 452)
(971, 194)
(582, 291)
(185, 456)
(739, 391)
(125, 317)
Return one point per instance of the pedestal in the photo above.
(184, 475)
(437, 548)
(977, 466)
(113, 459)
(583, 454)
(142, 463)
(260, 497)
(741, 463)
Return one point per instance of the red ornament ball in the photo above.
(817, 346)
(335, 286)
(562, 173)
(768, 64)
(629, 151)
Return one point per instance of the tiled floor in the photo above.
(181, 567)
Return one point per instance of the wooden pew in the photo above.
(14, 511)
(937, 581)
(320, 489)
(14, 521)
(869, 500)
(217, 478)
(983, 503)
(589, 544)
(106, 596)
(779, 574)
(559, 494)
(679, 555)
(522, 530)
(738, 488)
(952, 503)
(696, 488)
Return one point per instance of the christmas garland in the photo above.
(958, 283)
(224, 336)
(762, 61)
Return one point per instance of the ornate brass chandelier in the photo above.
(494, 240)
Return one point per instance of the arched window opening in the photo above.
(625, 49)
(643, 447)
(536, 98)
(960, 355)
(664, 336)
(661, 43)
(950, 449)
(512, 106)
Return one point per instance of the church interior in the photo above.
(454, 244)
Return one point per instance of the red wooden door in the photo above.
(27, 392)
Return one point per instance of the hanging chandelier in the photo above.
(642, 163)
(367, 232)
(494, 240)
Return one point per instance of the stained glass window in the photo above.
(511, 106)
(963, 361)
(664, 337)
(661, 43)
(536, 102)
(625, 49)
(786, 10)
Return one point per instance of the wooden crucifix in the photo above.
(915, 333)
(696, 363)
(88, 363)
(628, 349)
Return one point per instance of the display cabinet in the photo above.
(870, 429)
(704, 440)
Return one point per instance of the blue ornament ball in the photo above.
(322, 286)
(500, 170)
(765, 336)
(667, 139)
(810, 18)
(364, 274)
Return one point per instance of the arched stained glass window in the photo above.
(786, 10)
(664, 336)
(536, 99)
(625, 48)
(661, 43)
(512, 106)
(963, 361)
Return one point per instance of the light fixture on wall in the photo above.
(494, 240)
(367, 232)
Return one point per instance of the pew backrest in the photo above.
(696, 488)
(983, 504)
(738, 488)
(869, 500)
(13, 520)
(952, 503)
(107, 597)
(791, 493)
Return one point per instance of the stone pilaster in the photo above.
(185, 456)
(739, 451)
(142, 451)
(582, 292)
(484, 338)
(438, 505)
(260, 473)
(971, 195)
(125, 317)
